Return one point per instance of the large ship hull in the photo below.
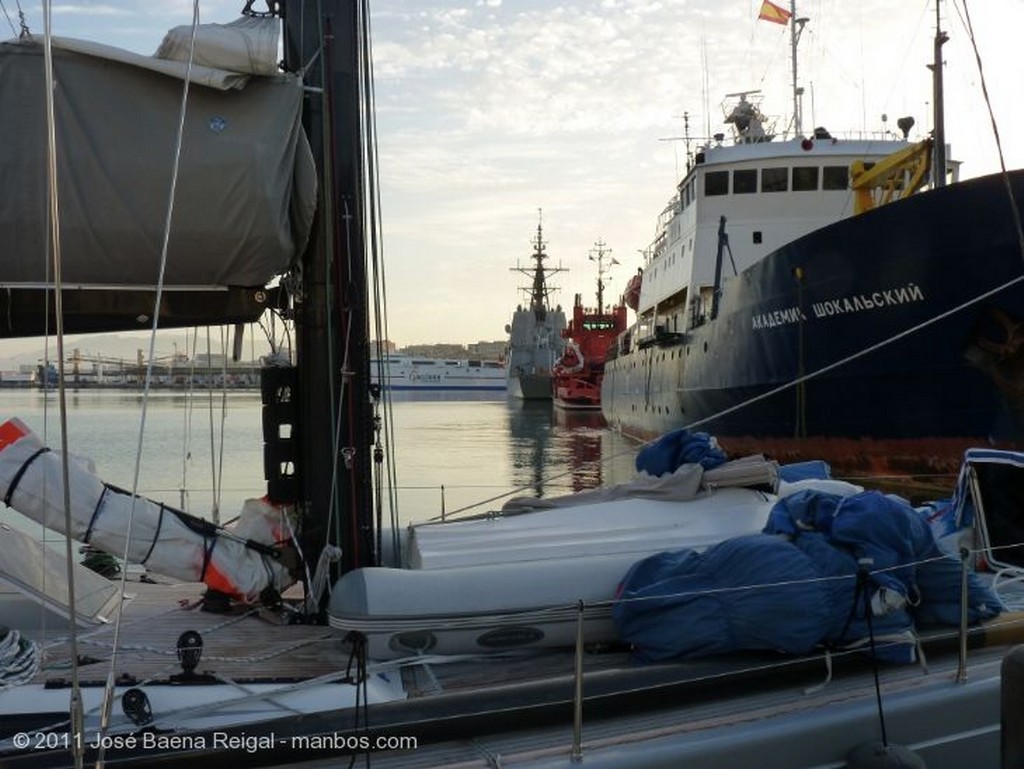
(888, 342)
(530, 387)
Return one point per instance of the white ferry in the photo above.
(409, 373)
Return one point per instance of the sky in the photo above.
(490, 111)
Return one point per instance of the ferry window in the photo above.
(774, 179)
(805, 178)
(716, 183)
(835, 178)
(744, 182)
(757, 237)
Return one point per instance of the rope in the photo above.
(19, 659)
(320, 582)
(862, 581)
(357, 658)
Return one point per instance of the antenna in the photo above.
(704, 83)
(687, 141)
(597, 254)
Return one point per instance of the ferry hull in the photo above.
(438, 377)
(906, 325)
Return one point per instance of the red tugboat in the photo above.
(578, 374)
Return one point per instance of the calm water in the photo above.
(448, 453)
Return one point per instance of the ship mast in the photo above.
(597, 254)
(539, 290)
(939, 118)
(795, 30)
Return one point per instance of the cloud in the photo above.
(489, 110)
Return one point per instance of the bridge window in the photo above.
(716, 183)
(835, 178)
(744, 182)
(805, 178)
(774, 179)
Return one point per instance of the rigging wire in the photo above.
(329, 255)
(966, 19)
(380, 299)
(216, 451)
(47, 263)
(223, 421)
(187, 412)
(75, 704)
(7, 16)
(209, 412)
(108, 691)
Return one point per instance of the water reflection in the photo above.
(449, 455)
(554, 451)
(529, 429)
(582, 431)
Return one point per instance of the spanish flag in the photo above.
(773, 13)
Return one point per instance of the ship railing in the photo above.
(876, 632)
(1006, 628)
(820, 133)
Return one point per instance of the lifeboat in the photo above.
(631, 297)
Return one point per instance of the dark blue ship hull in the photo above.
(889, 341)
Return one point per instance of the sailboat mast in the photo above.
(332, 324)
(939, 118)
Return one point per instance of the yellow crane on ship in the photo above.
(894, 177)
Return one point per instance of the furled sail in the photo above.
(246, 190)
(243, 562)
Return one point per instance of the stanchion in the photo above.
(577, 718)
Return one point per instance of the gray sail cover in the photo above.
(246, 189)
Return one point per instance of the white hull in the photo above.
(516, 581)
(404, 373)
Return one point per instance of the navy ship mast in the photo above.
(539, 290)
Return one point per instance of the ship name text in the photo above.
(778, 317)
(873, 301)
(840, 306)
